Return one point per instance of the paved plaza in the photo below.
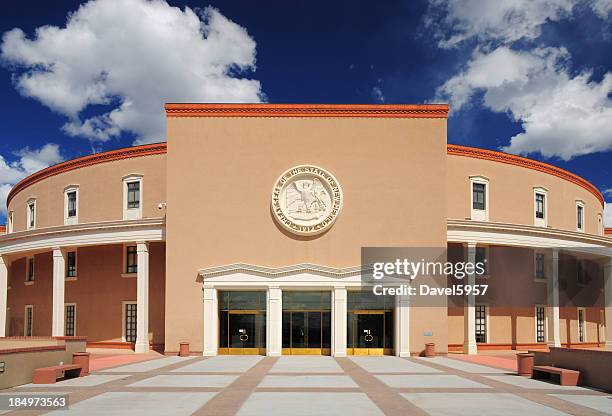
(312, 385)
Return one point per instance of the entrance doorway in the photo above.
(369, 324)
(242, 323)
(306, 323)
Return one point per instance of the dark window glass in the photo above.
(130, 322)
(71, 270)
(30, 275)
(133, 194)
(539, 263)
(481, 257)
(242, 300)
(540, 202)
(298, 300)
(481, 323)
(131, 260)
(579, 213)
(581, 333)
(32, 209)
(540, 319)
(70, 315)
(72, 204)
(28, 321)
(479, 196)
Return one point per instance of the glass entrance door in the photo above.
(369, 324)
(370, 330)
(242, 325)
(306, 323)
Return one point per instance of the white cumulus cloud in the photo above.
(27, 161)
(562, 115)
(122, 59)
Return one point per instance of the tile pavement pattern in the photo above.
(309, 385)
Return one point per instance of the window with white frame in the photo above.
(540, 322)
(540, 205)
(540, 265)
(580, 216)
(71, 205)
(479, 187)
(9, 222)
(28, 321)
(581, 325)
(132, 197)
(481, 323)
(129, 321)
(70, 319)
(131, 260)
(31, 214)
(600, 226)
(30, 269)
(71, 264)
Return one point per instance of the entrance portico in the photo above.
(306, 329)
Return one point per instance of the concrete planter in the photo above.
(81, 358)
(184, 349)
(525, 364)
(430, 349)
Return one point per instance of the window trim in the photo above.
(124, 272)
(25, 321)
(535, 323)
(487, 321)
(67, 219)
(10, 219)
(580, 205)
(76, 265)
(584, 326)
(123, 328)
(600, 225)
(132, 213)
(540, 222)
(31, 222)
(27, 280)
(535, 267)
(479, 214)
(66, 320)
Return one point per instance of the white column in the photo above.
(274, 322)
(211, 322)
(142, 298)
(3, 294)
(402, 326)
(469, 315)
(554, 332)
(59, 283)
(608, 301)
(338, 333)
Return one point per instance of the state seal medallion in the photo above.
(306, 200)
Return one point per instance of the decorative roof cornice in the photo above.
(96, 158)
(308, 110)
(473, 152)
(608, 231)
(273, 272)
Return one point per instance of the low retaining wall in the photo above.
(595, 366)
(22, 355)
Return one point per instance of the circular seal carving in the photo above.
(306, 200)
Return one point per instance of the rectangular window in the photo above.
(31, 215)
(130, 322)
(479, 196)
(540, 201)
(70, 317)
(580, 217)
(540, 324)
(30, 270)
(133, 195)
(481, 323)
(482, 258)
(28, 321)
(540, 272)
(71, 264)
(131, 260)
(580, 273)
(72, 203)
(10, 222)
(581, 326)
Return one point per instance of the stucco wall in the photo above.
(511, 197)
(100, 192)
(220, 177)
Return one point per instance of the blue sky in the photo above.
(531, 77)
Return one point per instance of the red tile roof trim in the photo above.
(308, 110)
(474, 152)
